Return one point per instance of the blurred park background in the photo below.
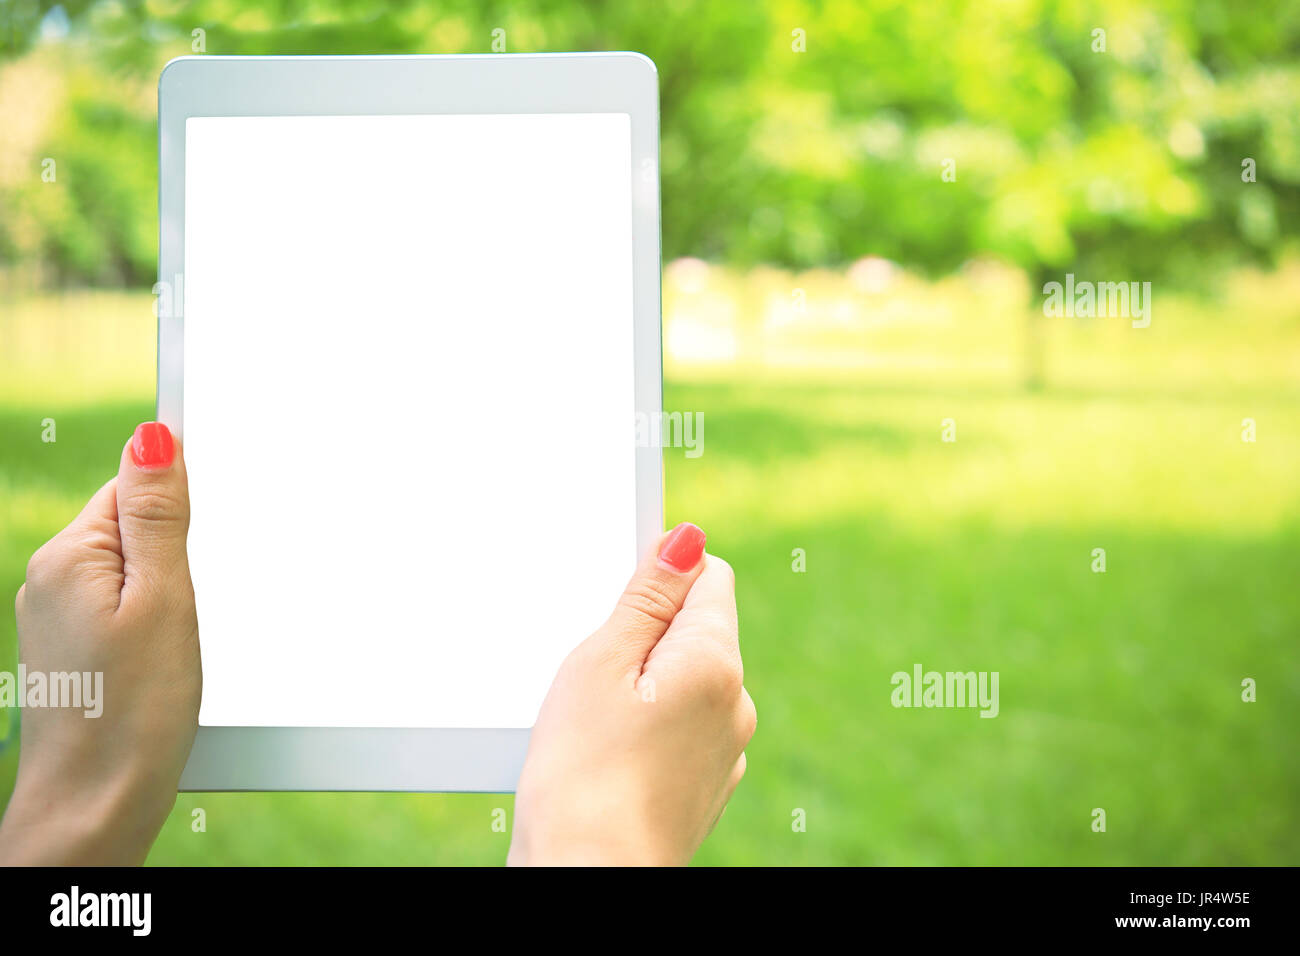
(862, 201)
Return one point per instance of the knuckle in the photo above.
(748, 720)
(49, 565)
(732, 681)
(584, 658)
(719, 624)
(153, 505)
(647, 597)
(158, 594)
(722, 675)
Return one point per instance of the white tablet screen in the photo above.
(408, 410)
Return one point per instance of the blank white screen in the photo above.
(408, 410)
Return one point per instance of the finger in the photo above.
(99, 516)
(702, 644)
(710, 607)
(153, 507)
(89, 550)
(654, 595)
(94, 531)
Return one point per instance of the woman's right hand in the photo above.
(640, 741)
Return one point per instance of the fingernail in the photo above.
(151, 446)
(682, 548)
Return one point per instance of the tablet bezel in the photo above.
(404, 759)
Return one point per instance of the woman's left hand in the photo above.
(109, 602)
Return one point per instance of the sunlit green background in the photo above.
(830, 299)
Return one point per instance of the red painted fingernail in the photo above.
(682, 548)
(151, 446)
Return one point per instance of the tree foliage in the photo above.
(1106, 136)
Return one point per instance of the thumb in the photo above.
(153, 506)
(654, 595)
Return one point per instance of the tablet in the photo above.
(408, 319)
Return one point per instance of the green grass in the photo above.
(1119, 690)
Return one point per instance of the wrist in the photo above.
(96, 823)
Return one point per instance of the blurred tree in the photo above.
(1098, 136)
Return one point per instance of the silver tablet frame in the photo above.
(433, 759)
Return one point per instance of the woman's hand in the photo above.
(640, 742)
(110, 595)
(637, 748)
